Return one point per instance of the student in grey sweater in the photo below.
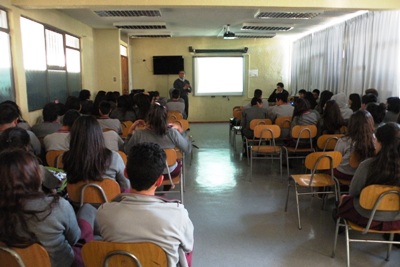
(383, 169)
(29, 216)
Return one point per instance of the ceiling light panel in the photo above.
(128, 13)
(252, 36)
(161, 35)
(141, 25)
(286, 15)
(260, 27)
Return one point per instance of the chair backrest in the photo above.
(32, 256)
(171, 156)
(94, 192)
(283, 122)
(387, 198)
(267, 131)
(304, 131)
(123, 156)
(54, 158)
(184, 124)
(237, 113)
(125, 126)
(255, 122)
(174, 116)
(101, 253)
(323, 160)
(327, 142)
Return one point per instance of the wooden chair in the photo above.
(184, 124)
(173, 116)
(54, 158)
(143, 254)
(173, 181)
(285, 124)
(252, 125)
(93, 192)
(374, 198)
(125, 126)
(315, 183)
(259, 150)
(123, 156)
(32, 256)
(300, 133)
(327, 142)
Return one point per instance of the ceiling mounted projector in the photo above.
(228, 34)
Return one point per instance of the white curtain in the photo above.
(351, 57)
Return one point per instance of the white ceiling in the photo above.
(210, 22)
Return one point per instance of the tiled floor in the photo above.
(243, 223)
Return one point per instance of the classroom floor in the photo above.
(243, 223)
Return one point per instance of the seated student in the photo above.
(124, 110)
(18, 138)
(176, 103)
(50, 124)
(88, 159)
(393, 109)
(368, 98)
(383, 169)
(316, 93)
(9, 118)
(104, 119)
(29, 216)
(331, 120)
(302, 93)
(140, 216)
(342, 101)
(258, 94)
(325, 96)
(60, 139)
(302, 113)
(156, 130)
(21, 122)
(86, 103)
(279, 89)
(358, 141)
(282, 108)
(255, 112)
(354, 102)
(378, 112)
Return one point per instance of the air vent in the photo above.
(141, 25)
(285, 15)
(260, 27)
(253, 36)
(128, 13)
(161, 35)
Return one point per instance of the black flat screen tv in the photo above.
(167, 65)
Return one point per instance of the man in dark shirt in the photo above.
(279, 89)
(184, 88)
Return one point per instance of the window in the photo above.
(6, 74)
(52, 63)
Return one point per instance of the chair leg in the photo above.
(298, 205)
(390, 245)
(336, 236)
(251, 164)
(287, 195)
(280, 163)
(347, 244)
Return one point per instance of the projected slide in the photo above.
(215, 76)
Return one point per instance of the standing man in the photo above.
(279, 89)
(184, 88)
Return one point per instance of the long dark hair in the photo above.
(355, 102)
(157, 119)
(361, 131)
(300, 106)
(385, 168)
(332, 118)
(20, 176)
(87, 158)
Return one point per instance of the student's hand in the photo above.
(177, 127)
